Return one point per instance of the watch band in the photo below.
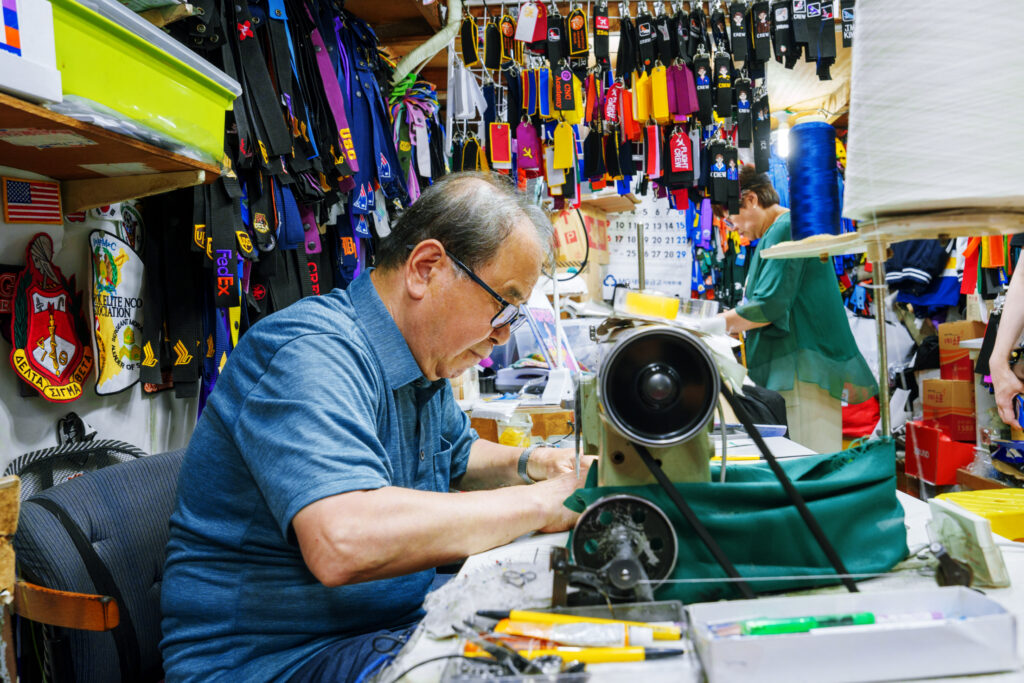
(524, 459)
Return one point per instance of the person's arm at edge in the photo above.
(735, 323)
(367, 535)
(1011, 324)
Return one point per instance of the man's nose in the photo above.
(500, 335)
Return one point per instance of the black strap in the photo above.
(125, 638)
(791, 491)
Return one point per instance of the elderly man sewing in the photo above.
(314, 501)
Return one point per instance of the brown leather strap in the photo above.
(61, 608)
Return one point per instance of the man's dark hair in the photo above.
(760, 184)
(471, 213)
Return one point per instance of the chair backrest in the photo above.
(105, 532)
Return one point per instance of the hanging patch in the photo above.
(132, 228)
(47, 332)
(31, 201)
(738, 21)
(117, 277)
(601, 25)
(468, 39)
(508, 35)
(578, 42)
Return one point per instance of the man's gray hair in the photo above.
(471, 213)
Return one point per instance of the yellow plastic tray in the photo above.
(105, 62)
(1004, 508)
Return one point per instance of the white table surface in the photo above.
(687, 668)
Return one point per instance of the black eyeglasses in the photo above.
(508, 314)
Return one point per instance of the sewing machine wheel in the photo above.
(617, 530)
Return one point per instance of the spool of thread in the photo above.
(813, 191)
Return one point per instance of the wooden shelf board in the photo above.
(66, 163)
(879, 235)
(612, 203)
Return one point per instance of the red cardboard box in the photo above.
(950, 404)
(933, 456)
(954, 362)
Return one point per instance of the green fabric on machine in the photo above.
(852, 494)
(809, 337)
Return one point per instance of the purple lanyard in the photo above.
(334, 97)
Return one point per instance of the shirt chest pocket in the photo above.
(442, 465)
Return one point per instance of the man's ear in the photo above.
(423, 265)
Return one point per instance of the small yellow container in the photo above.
(651, 304)
(1004, 508)
(101, 60)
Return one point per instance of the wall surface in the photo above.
(152, 422)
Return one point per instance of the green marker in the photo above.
(768, 627)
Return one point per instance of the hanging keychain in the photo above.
(702, 79)
(762, 130)
(782, 34)
(645, 31)
(468, 39)
(719, 182)
(744, 124)
(813, 24)
(499, 145)
(668, 51)
(847, 12)
(642, 93)
(564, 146)
(652, 150)
(732, 177)
(507, 27)
(799, 23)
(601, 26)
(626, 62)
(762, 27)
(826, 42)
(698, 31)
(723, 84)
(659, 95)
(719, 35)
(738, 25)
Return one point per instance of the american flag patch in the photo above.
(31, 201)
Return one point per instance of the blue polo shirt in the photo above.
(321, 398)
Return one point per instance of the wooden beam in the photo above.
(62, 608)
(436, 75)
(79, 195)
(432, 13)
(390, 33)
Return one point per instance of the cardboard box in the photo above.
(950, 403)
(975, 635)
(570, 235)
(933, 456)
(954, 362)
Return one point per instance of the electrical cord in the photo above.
(586, 254)
(431, 660)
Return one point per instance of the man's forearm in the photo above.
(1011, 322)
(368, 535)
(491, 465)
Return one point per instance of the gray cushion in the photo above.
(123, 511)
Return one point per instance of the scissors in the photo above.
(517, 578)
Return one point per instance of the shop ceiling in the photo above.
(402, 25)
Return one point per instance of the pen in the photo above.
(597, 655)
(661, 632)
(765, 627)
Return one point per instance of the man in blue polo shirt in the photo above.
(314, 503)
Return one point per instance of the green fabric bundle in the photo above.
(852, 494)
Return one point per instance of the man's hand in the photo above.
(549, 463)
(1006, 385)
(552, 493)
